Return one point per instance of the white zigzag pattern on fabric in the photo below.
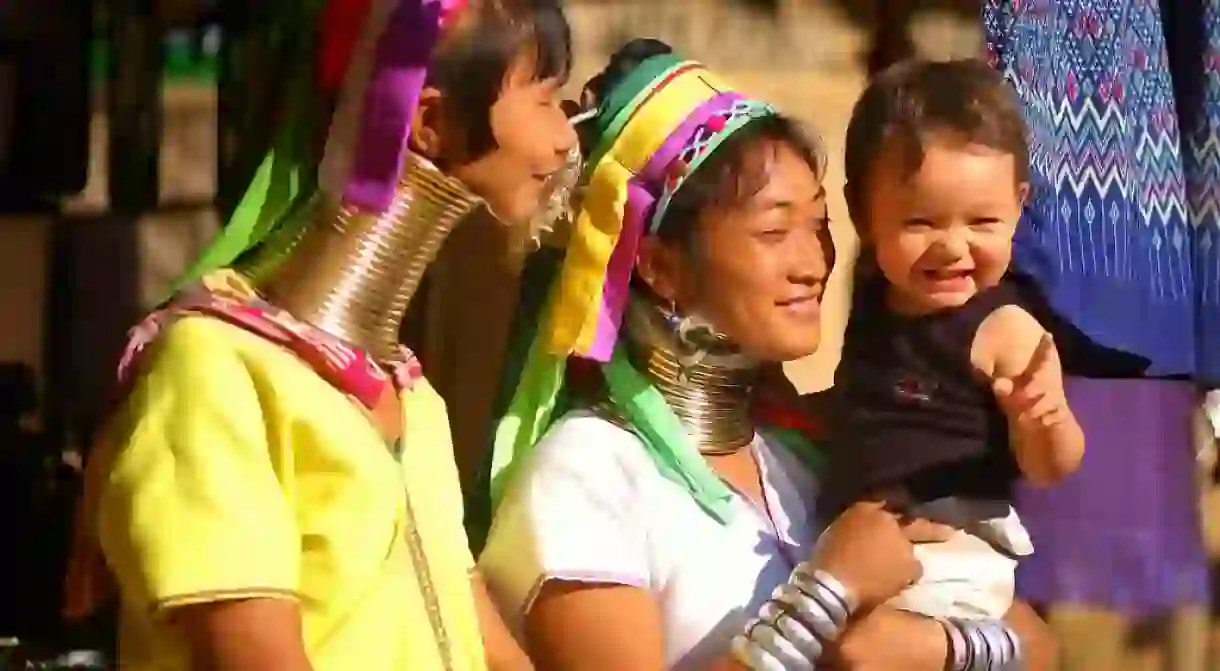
(1127, 202)
(1205, 191)
(1099, 159)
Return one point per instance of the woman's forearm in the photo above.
(885, 638)
(503, 652)
(1039, 649)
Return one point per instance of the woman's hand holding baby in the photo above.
(869, 549)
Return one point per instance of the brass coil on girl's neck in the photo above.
(352, 274)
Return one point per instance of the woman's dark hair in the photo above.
(471, 67)
(913, 103)
(622, 63)
(738, 169)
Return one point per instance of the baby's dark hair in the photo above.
(914, 103)
(738, 169)
(471, 66)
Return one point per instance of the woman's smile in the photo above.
(805, 306)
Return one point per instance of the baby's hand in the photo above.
(1036, 396)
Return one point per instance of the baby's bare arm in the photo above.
(1019, 357)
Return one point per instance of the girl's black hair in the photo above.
(738, 169)
(471, 68)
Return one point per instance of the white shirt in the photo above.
(590, 505)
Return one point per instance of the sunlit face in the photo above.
(757, 270)
(944, 233)
(532, 137)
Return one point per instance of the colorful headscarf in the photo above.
(655, 129)
(370, 55)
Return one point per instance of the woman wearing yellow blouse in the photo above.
(276, 487)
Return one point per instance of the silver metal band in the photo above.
(798, 634)
(835, 606)
(959, 650)
(752, 656)
(838, 589)
(783, 650)
(808, 610)
(792, 628)
(982, 645)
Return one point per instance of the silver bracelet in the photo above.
(792, 628)
(752, 656)
(982, 645)
(827, 590)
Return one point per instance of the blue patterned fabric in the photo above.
(1121, 231)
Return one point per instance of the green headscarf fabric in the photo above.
(537, 276)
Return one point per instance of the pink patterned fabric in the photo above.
(226, 296)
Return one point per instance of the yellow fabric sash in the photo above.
(572, 322)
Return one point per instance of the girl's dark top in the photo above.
(909, 409)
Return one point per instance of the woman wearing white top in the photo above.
(653, 526)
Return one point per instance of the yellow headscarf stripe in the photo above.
(572, 324)
(624, 114)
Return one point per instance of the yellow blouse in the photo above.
(233, 470)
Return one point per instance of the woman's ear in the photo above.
(427, 126)
(657, 265)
